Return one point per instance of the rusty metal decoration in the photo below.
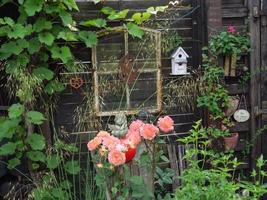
(76, 82)
(128, 69)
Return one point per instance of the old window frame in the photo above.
(157, 70)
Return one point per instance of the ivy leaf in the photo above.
(54, 86)
(8, 149)
(33, 6)
(46, 38)
(134, 30)
(14, 47)
(119, 15)
(107, 10)
(71, 4)
(17, 31)
(34, 46)
(12, 163)
(35, 117)
(65, 17)
(99, 23)
(62, 53)
(67, 36)
(139, 18)
(36, 156)
(36, 141)
(53, 161)
(89, 38)
(42, 24)
(43, 73)
(72, 167)
(15, 111)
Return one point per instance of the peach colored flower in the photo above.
(94, 143)
(121, 147)
(110, 142)
(149, 131)
(103, 150)
(99, 165)
(136, 125)
(116, 157)
(103, 134)
(165, 124)
(133, 138)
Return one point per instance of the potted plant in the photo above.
(230, 45)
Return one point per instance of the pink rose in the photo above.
(231, 29)
(136, 125)
(149, 131)
(110, 142)
(103, 134)
(116, 157)
(94, 143)
(165, 124)
(133, 138)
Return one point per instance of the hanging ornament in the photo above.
(242, 114)
(76, 82)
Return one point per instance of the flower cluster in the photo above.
(117, 149)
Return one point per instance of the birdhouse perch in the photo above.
(179, 62)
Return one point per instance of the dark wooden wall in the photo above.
(189, 24)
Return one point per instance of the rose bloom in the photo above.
(149, 131)
(231, 29)
(136, 125)
(103, 150)
(110, 142)
(94, 143)
(165, 124)
(116, 157)
(103, 134)
(121, 147)
(133, 138)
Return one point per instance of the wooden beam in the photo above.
(254, 26)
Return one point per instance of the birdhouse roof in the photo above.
(179, 50)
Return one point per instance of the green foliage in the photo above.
(35, 117)
(218, 181)
(36, 141)
(72, 167)
(15, 111)
(227, 44)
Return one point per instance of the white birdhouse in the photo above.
(179, 62)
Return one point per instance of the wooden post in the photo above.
(254, 26)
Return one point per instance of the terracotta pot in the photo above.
(231, 141)
(130, 154)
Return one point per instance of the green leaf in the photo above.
(89, 38)
(12, 163)
(67, 36)
(119, 15)
(65, 17)
(134, 30)
(15, 111)
(36, 156)
(140, 18)
(33, 6)
(70, 148)
(8, 128)
(42, 24)
(107, 10)
(53, 161)
(8, 149)
(35, 117)
(72, 167)
(36, 141)
(46, 38)
(43, 73)
(13, 47)
(17, 31)
(54, 86)
(100, 23)
(71, 4)
(34, 45)
(62, 53)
